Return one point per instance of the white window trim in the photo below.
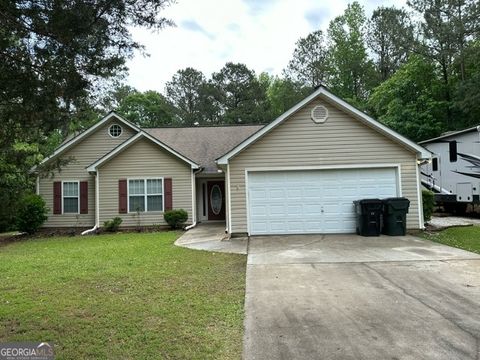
(121, 131)
(71, 197)
(145, 195)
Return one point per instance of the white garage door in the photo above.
(313, 201)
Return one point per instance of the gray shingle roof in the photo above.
(204, 144)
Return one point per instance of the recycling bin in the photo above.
(369, 212)
(395, 216)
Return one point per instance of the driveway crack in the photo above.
(409, 294)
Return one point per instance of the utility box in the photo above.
(395, 216)
(368, 212)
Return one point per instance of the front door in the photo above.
(216, 200)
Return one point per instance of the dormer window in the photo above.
(115, 130)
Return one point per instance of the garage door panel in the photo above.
(260, 228)
(294, 194)
(277, 194)
(312, 209)
(258, 210)
(316, 201)
(278, 227)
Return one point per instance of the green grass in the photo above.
(467, 238)
(124, 296)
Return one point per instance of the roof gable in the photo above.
(126, 144)
(341, 104)
(83, 135)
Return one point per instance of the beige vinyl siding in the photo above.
(144, 159)
(84, 153)
(341, 140)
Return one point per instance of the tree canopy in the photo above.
(62, 66)
(53, 56)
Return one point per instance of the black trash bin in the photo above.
(395, 216)
(368, 216)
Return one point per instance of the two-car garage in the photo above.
(300, 174)
(313, 201)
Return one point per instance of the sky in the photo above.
(209, 33)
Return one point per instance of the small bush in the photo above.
(428, 204)
(112, 225)
(175, 218)
(32, 213)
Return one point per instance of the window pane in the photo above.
(453, 150)
(70, 189)
(137, 203)
(155, 203)
(136, 187)
(70, 205)
(154, 186)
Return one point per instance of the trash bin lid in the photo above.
(369, 201)
(369, 204)
(397, 203)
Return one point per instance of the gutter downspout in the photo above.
(97, 208)
(194, 199)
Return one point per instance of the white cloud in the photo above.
(259, 33)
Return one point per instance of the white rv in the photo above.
(454, 171)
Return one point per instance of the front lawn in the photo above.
(124, 296)
(467, 238)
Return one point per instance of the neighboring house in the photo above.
(454, 172)
(299, 174)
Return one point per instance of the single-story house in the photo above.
(298, 174)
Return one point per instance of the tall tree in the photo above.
(390, 36)
(353, 74)
(410, 101)
(147, 109)
(283, 93)
(239, 95)
(446, 28)
(186, 91)
(466, 95)
(53, 53)
(114, 96)
(310, 61)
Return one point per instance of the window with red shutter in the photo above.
(84, 197)
(168, 187)
(57, 197)
(122, 196)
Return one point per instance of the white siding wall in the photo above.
(144, 159)
(84, 153)
(342, 140)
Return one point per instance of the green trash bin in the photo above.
(369, 213)
(395, 216)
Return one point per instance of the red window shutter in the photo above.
(122, 196)
(83, 197)
(57, 197)
(167, 186)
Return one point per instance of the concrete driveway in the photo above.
(349, 297)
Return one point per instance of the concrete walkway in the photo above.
(212, 237)
(443, 222)
(348, 297)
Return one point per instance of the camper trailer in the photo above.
(453, 173)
